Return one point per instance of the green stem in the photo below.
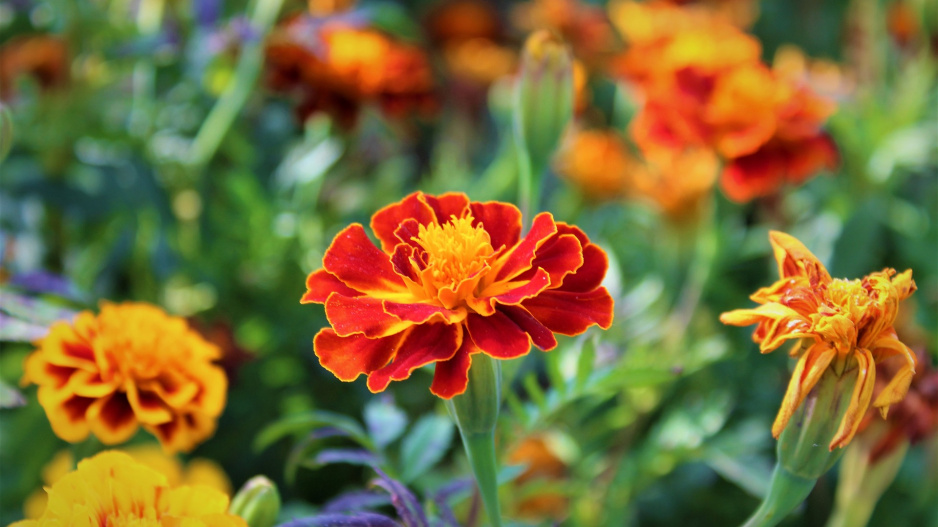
(525, 186)
(476, 414)
(236, 94)
(786, 491)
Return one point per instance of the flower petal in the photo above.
(355, 261)
(423, 313)
(571, 313)
(519, 258)
(859, 400)
(385, 222)
(147, 406)
(363, 315)
(349, 357)
(67, 413)
(498, 336)
(112, 419)
(451, 377)
(501, 220)
(560, 256)
(447, 205)
(794, 259)
(590, 275)
(510, 293)
(423, 345)
(812, 364)
(541, 336)
(321, 283)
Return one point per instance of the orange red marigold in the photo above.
(131, 365)
(450, 279)
(845, 326)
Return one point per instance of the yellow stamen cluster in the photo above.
(455, 250)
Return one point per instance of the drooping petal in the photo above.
(349, 357)
(386, 221)
(541, 335)
(859, 400)
(794, 259)
(571, 313)
(809, 369)
(519, 258)
(355, 261)
(320, 284)
(501, 220)
(364, 315)
(777, 324)
(451, 377)
(898, 386)
(422, 345)
(498, 336)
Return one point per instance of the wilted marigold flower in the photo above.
(131, 365)
(452, 278)
(113, 489)
(842, 326)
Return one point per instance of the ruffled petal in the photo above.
(501, 220)
(423, 313)
(447, 205)
(859, 400)
(812, 364)
(571, 313)
(112, 419)
(320, 284)
(147, 406)
(355, 261)
(498, 336)
(67, 413)
(560, 256)
(541, 335)
(794, 259)
(423, 345)
(363, 315)
(349, 357)
(590, 275)
(519, 258)
(510, 293)
(385, 222)
(451, 377)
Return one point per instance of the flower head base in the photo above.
(130, 365)
(452, 278)
(113, 489)
(842, 326)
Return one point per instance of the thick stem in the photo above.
(525, 186)
(786, 492)
(476, 414)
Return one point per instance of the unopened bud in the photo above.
(543, 96)
(258, 502)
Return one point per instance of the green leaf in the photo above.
(385, 421)
(304, 422)
(425, 445)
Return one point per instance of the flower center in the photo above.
(455, 250)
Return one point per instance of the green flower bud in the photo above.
(543, 96)
(258, 502)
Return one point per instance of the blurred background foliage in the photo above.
(150, 158)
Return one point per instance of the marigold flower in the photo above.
(113, 489)
(131, 365)
(845, 326)
(452, 278)
(598, 162)
(542, 464)
(42, 57)
(583, 26)
(198, 471)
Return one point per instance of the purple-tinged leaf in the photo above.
(361, 519)
(408, 508)
(15, 330)
(327, 431)
(357, 500)
(33, 310)
(354, 456)
(44, 282)
(441, 500)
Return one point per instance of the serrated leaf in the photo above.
(425, 445)
(385, 421)
(304, 422)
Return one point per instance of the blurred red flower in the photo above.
(452, 278)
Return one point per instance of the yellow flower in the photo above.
(131, 365)
(112, 489)
(198, 471)
(842, 326)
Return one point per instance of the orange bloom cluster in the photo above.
(704, 86)
(113, 489)
(586, 28)
(43, 57)
(543, 465)
(131, 365)
(842, 326)
(470, 37)
(452, 278)
(335, 68)
(600, 164)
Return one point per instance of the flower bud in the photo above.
(258, 502)
(543, 96)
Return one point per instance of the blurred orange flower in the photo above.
(131, 365)
(452, 278)
(585, 27)
(112, 488)
(845, 326)
(597, 162)
(198, 471)
(543, 464)
(335, 68)
(45, 58)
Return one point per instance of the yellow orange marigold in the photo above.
(131, 365)
(843, 326)
(452, 278)
(113, 489)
